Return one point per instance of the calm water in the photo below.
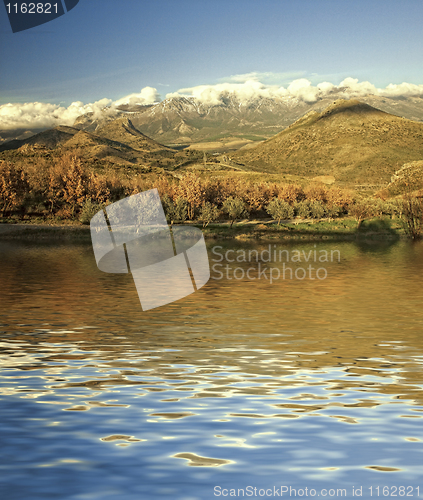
(307, 383)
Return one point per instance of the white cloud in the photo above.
(148, 95)
(34, 115)
(300, 89)
(39, 115)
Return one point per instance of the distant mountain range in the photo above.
(186, 120)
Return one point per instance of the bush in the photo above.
(317, 209)
(175, 211)
(235, 208)
(362, 209)
(302, 209)
(412, 215)
(333, 211)
(280, 209)
(88, 210)
(208, 213)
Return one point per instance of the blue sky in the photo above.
(112, 48)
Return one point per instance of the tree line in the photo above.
(68, 188)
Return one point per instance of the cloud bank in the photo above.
(40, 115)
(36, 115)
(300, 89)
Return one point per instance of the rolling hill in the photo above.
(48, 138)
(350, 140)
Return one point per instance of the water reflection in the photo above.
(299, 382)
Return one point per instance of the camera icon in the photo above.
(132, 235)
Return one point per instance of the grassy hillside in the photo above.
(350, 140)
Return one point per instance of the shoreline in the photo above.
(260, 230)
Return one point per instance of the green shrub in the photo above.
(280, 209)
(88, 210)
(175, 211)
(302, 209)
(317, 209)
(208, 213)
(334, 211)
(235, 208)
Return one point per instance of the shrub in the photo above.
(280, 209)
(235, 208)
(208, 213)
(88, 210)
(412, 215)
(302, 209)
(175, 211)
(317, 209)
(361, 210)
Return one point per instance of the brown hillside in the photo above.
(117, 143)
(350, 140)
(49, 138)
(122, 130)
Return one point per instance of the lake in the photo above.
(254, 386)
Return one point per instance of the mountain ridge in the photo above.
(179, 120)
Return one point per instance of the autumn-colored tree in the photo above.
(412, 215)
(256, 196)
(212, 191)
(361, 210)
(231, 186)
(131, 186)
(165, 187)
(13, 186)
(291, 193)
(54, 188)
(191, 188)
(98, 190)
(339, 197)
(74, 181)
(316, 192)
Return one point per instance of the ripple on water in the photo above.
(290, 384)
